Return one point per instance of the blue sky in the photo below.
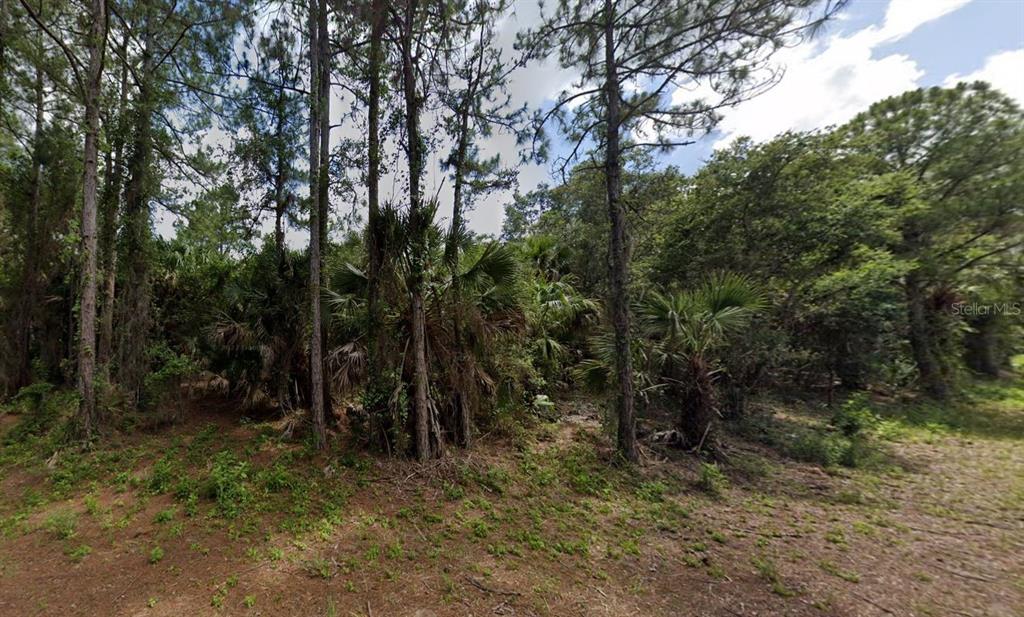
(876, 49)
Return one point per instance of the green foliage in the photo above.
(854, 416)
(79, 553)
(228, 484)
(169, 370)
(711, 480)
(163, 474)
(63, 524)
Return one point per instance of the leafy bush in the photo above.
(276, 478)
(162, 476)
(228, 484)
(854, 416)
(712, 481)
(44, 411)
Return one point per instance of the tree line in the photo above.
(831, 259)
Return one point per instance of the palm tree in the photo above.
(685, 328)
(480, 291)
(556, 312)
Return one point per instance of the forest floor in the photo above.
(216, 517)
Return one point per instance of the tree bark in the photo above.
(112, 186)
(421, 383)
(921, 344)
(375, 231)
(22, 323)
(323, 177)
(618, 249)
(280, 200)
(134, 306)
(315, 169)
(87, 316)
(462, 411)
(697, 410)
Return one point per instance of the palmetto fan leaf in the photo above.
(496, 266)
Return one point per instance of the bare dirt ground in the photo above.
(527, 528)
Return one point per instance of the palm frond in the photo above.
(496, 266)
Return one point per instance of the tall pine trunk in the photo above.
(323, 178)
(375, 231)
(317, 13)
(422, 422)
(618, 249)
(113, 183)
(463, 422)
(22, 323)
(87, 316)
(135, 296)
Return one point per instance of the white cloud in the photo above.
(1005, 71)
(904, 16)
(829, 81)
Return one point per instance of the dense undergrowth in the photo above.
(237, 476)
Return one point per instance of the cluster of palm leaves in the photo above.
(474, 315)
(257, 338)
(677, 336)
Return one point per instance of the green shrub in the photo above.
(62, 524)
(854, 416)
(228, 484)
(276, 478)
(44, 412)
(79, 553)
(651, 491)
(824, 448)
(712, 481)
(162, 475)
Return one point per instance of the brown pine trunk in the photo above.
(87, 315)
(113, 184)
(280, 200)
(324, 179)
(23, 321)
(317, 121)
(618, 249)
(423, 422)
(135, 296)
(461, 409)
(921, 344)
(375, 233)
(982, 350)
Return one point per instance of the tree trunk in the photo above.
(375, 232)
(22, 322)
(697, 414)
(87, 316)
(134, 307)
(113, 183)
(423, 422)
(323, 177)
(618, 250)
(280, 200)
(315, 169)
(463, 421)
(921, 344)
